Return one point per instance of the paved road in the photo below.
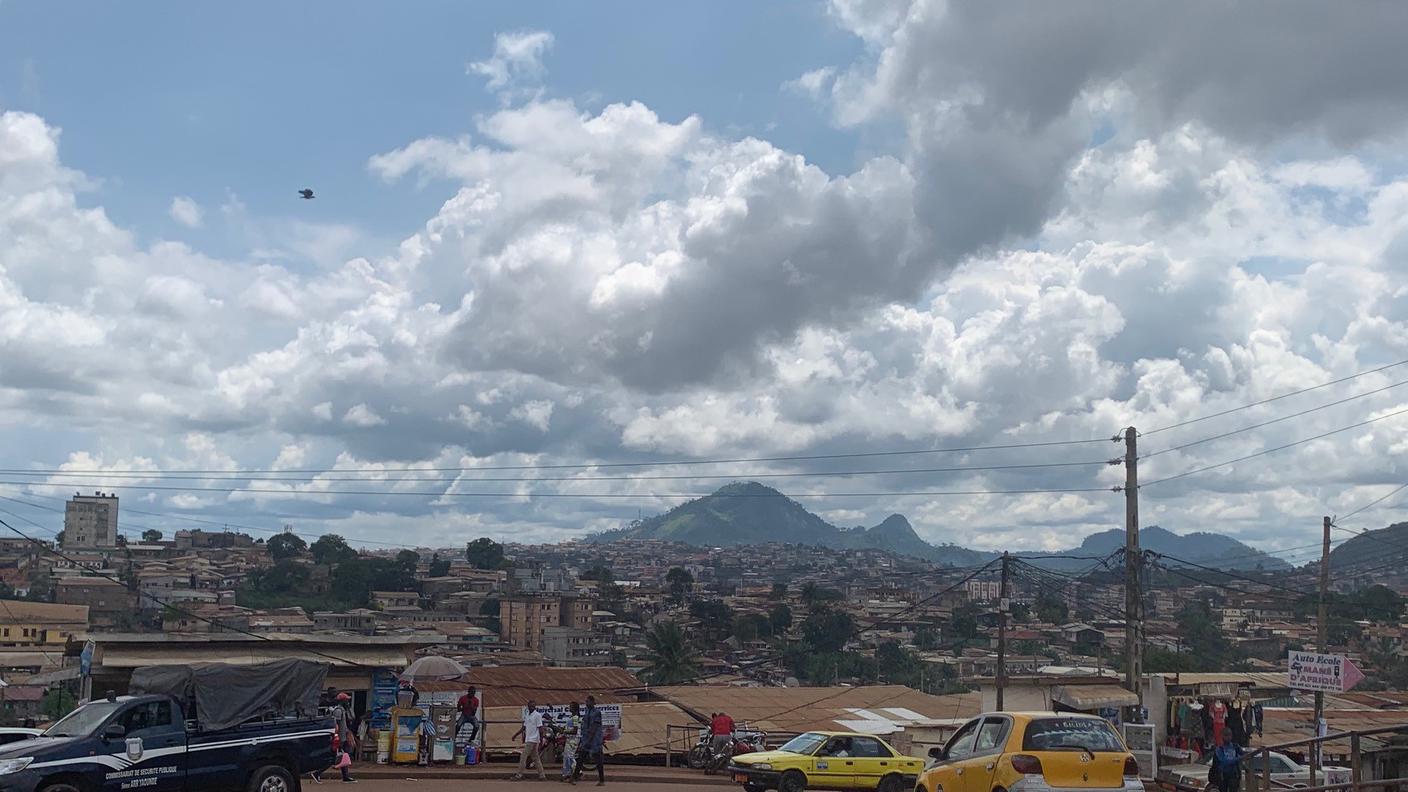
(476, 785)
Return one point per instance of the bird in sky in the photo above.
(306, 194)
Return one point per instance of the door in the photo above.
(988, 747)
(833, 766)
(147, 749)
(872, 761)
(948, 774)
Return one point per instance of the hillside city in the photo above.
(676, 620)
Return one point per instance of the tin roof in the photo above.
(874, 709)
(513, 686)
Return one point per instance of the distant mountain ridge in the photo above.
(744, 513)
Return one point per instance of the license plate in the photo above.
(740, 778)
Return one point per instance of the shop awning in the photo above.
(1092, 697)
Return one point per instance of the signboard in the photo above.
(1328, 673)
(383, 698)
(610, 718)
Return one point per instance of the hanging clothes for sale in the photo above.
(1237, 725)
(1218, 711)
(1257, 715)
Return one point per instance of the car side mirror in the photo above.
(114, 731)
(937, 753)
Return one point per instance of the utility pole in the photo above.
(1133, 656)
(1003, 604)
(1322, 641)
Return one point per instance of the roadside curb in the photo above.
(383, 772)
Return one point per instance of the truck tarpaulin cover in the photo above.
(228, 695)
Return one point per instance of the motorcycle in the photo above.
(741, 742)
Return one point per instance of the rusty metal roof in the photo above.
(513, 686)
(878, 709)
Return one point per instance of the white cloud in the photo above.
(518, 56)
(1049, 253)
(813, 84)
(363, 416)
(186, 211)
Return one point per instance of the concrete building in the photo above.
(565, 646)
(524, 617)
(40, 624)
(109, 602)
(90, 521)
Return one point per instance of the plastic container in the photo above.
(471, 755)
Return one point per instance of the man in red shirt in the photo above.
(469, 713)
(722, 729)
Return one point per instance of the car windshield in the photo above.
(1071, 734)
(82, 721)
(805, 744)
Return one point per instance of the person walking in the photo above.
(532, 733)
(573, 731)
(593, 743)
(469, 714)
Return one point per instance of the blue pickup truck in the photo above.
(146, 742)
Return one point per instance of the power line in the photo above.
(1368, 506)
(1274, 398)
(1263, 452)
(582, 496)
(582, 465)
(1275, 420)
(389, 479)
(1298, 592)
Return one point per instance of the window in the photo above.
(868, 747)
(153, 717)
(992, 736)
(961, 746)
(1280, 764)
(1072, 734)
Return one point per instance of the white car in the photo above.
(9, 735)
(1283, 769)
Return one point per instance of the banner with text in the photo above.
(1327, 673)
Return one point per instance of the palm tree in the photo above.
(670, 656)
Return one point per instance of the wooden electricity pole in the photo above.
(1133, 601)
(1322, 643)
(1002, 609)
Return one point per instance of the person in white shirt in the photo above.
(532, 733)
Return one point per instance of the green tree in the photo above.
(751, 626)
(490, 608)
(828, 631)
(927, 639)
(1021, 612)
(59, 539)
(780, 618)
(439, 567)
(965, 621)
(484, 553)
(715, 618)
(897, 665)
(1051, 609)
(408, 561)
(779, 591)
(669, 657)
(56, 703)
(151, 535)
(332, 550)
(285, 546)
(814, 596)
(679, 580)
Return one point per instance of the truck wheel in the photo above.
(271, 778)
(891, 783)
(61, 787)
(792, 781)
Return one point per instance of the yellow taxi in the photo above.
(1032, 752)
(827, 760)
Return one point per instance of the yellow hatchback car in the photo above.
(1032, 752)
(827, 760)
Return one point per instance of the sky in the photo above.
(554, 245)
